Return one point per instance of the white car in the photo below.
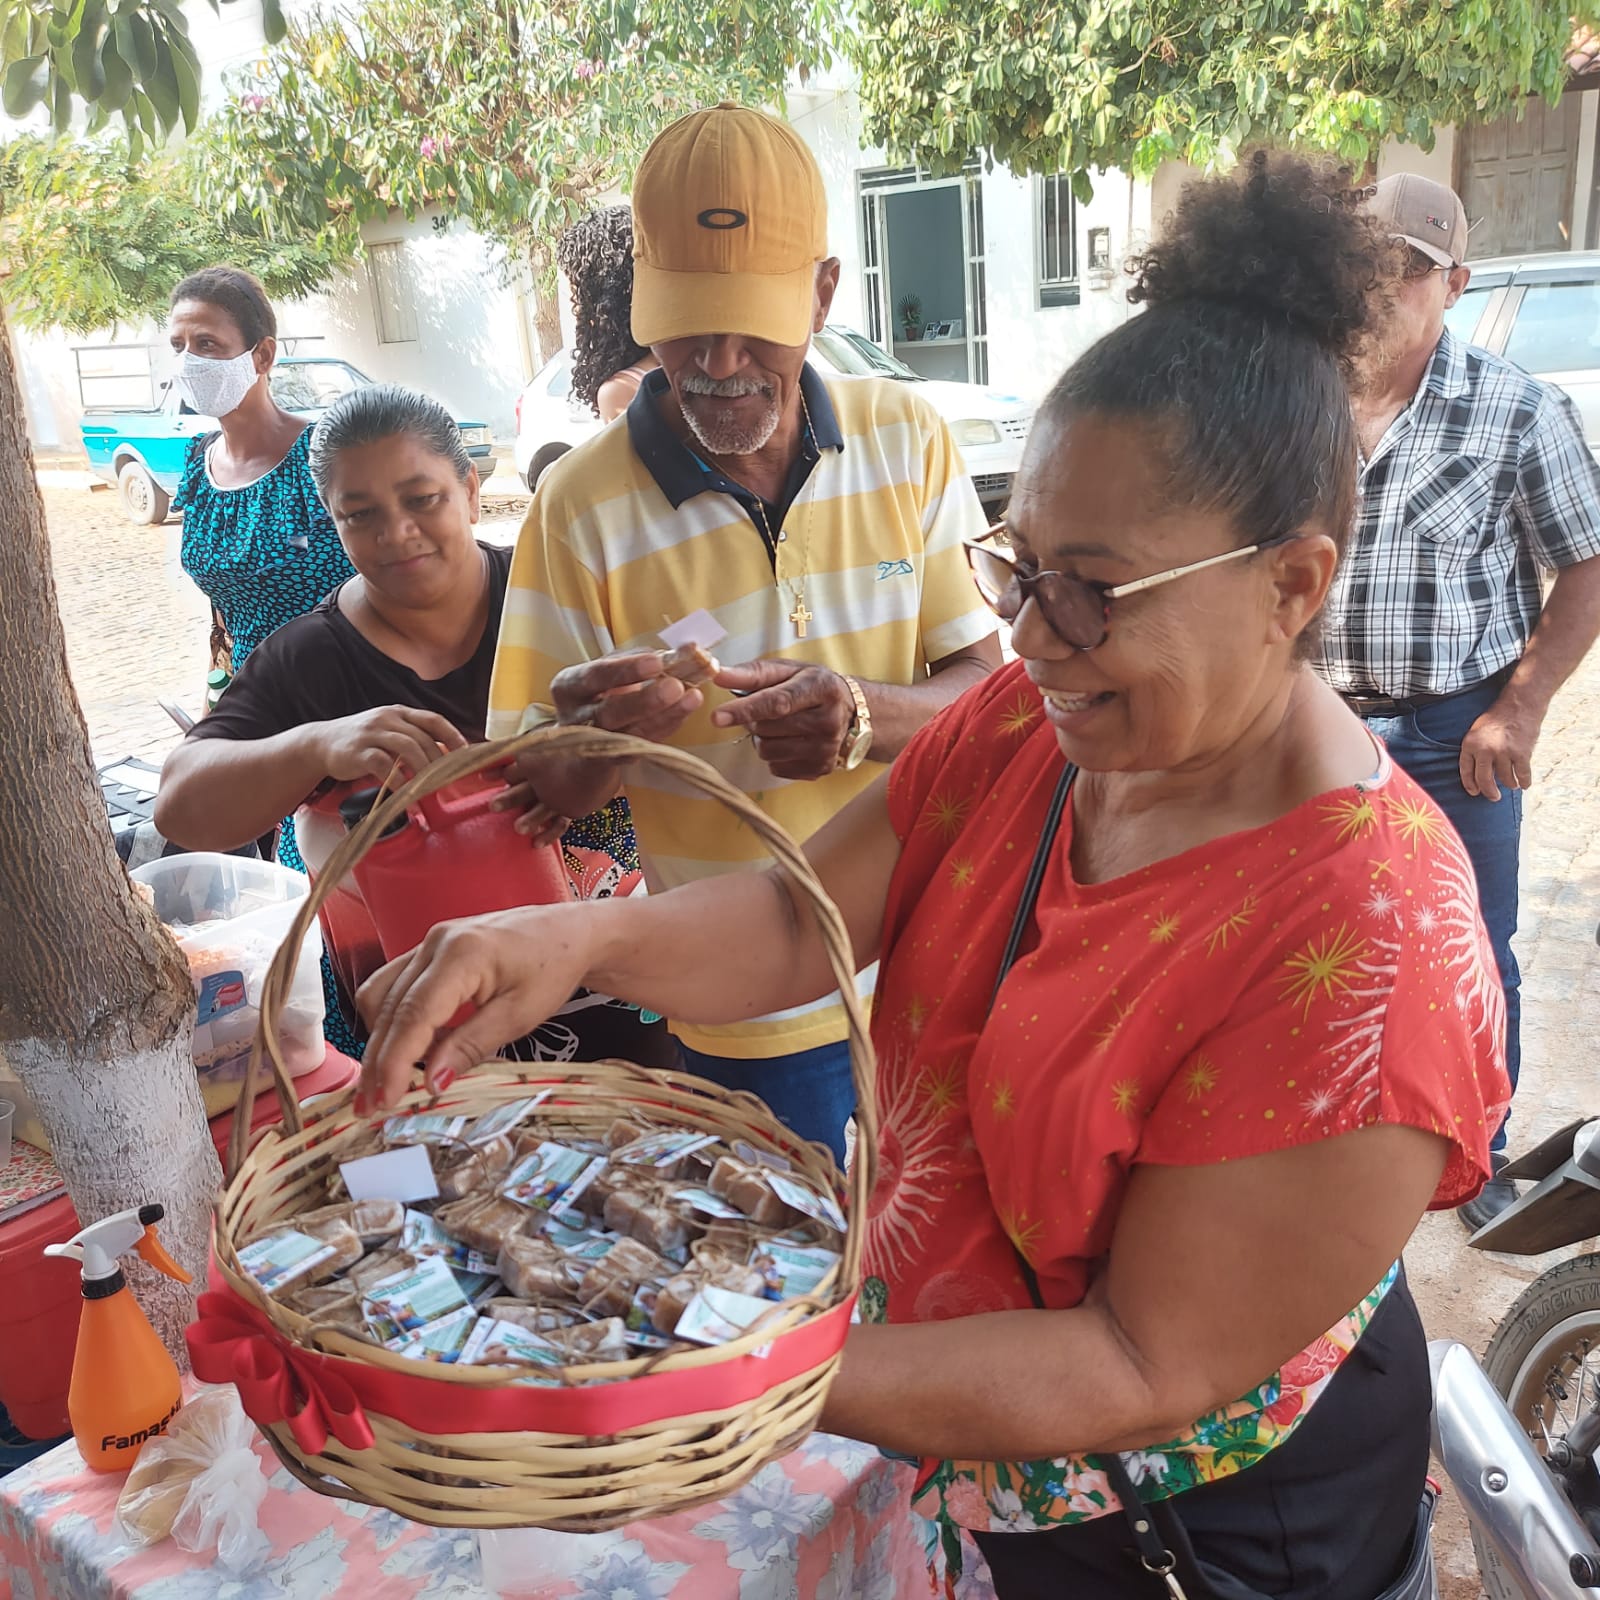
(989, 428)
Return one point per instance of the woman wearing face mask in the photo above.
(255, 537)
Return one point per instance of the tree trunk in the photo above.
(546, 312)
(96, 1005)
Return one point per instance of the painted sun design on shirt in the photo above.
(1201, 1078)
(1325, 968)
(1106, 1036)
(1231, 925)
(1417, 821)
(913, 1154)
(1383, 903)
(1019, 716)
(1353, 817)
(1022, 1231)
(963, 874)
(942, 1087)
(1125, 1095)
(1165, 928)
(945, 813)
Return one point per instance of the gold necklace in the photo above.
(800, 616)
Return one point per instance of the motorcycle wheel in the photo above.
(1543, 1358)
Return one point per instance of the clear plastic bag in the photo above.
(201, 1483)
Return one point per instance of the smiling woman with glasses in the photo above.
(1184, 1012)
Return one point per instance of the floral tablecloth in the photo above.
(827, 1522)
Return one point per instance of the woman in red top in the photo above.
(1136, 1229)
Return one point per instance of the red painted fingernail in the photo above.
(442, 1080)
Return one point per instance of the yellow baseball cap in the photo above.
(729, 223)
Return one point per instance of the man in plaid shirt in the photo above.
(1474, 478)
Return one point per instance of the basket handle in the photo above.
(595, 744)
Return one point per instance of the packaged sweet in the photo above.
(666, 1151)
(602, 1340)
(477, 1170)
(692, 664)
(582, 1244)
(379, 1265)
(373, 1221)
(678, 1291)
(802, 1198)
(729, 1238)
(332, 1305)
(534, 1269)
(422, 1236)
(609, 1285)
(665, 1231)
(201, 1482)
(536, 1319)
(750, 1191)
(614, 1180)
(623, 1132)
(482, 1222)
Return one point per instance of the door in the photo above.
(874, 279)
(977, 282)
(1517, 177)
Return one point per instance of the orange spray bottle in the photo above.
(125, 1387)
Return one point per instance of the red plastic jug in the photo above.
(451, 856)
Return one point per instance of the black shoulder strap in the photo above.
(1154, 1554)
(1036, 871)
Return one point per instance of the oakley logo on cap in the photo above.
(722, 218)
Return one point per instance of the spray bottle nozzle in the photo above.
(100, 1244)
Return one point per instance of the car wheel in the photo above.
(143, 498)
(542, 457)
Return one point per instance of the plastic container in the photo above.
(337, 1072)
(229, 916)
(451, 857)
(38, 1320)
(125, 1384)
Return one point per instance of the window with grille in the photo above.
(1057, 232)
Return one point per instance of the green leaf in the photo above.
(86, 68)
(144, 58)
(24, 86)
(117, 75)
(188, 81)
(273, 24)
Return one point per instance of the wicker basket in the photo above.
(470, 1448)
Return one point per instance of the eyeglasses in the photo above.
(1419, 266)
(1077, 611)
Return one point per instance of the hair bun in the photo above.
(1286, 239)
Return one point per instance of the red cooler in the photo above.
(38, 1319)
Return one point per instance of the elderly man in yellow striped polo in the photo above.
(819, 522)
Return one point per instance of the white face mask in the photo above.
(215, 387)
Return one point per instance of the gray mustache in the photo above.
(724, 388)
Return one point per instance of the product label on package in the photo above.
(821, 1207)
(663, 1148)
(504, 1118)
(552, 1177)
(793, 1268)
(716, 1315)
(441, 1340)
(494, 1343)
(703, 1200)
(220, 993)
(410, 1301)
(281, 1258)
(423, 1238)
(582, 1244)
(423, 1129)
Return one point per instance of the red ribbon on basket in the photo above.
(277, 1380)
(231, 1337)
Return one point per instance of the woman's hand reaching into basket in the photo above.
(464, 991)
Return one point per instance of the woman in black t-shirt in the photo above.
(394, 665)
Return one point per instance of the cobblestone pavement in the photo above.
(136, 630)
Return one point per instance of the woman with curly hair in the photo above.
(1185, 1012)
(596, 255)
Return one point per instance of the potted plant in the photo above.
(911, 315)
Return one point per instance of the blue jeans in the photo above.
(1427, 743)
(810, 1091)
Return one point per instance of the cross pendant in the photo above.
(800, 616)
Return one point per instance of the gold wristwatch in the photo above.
(858, 736)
